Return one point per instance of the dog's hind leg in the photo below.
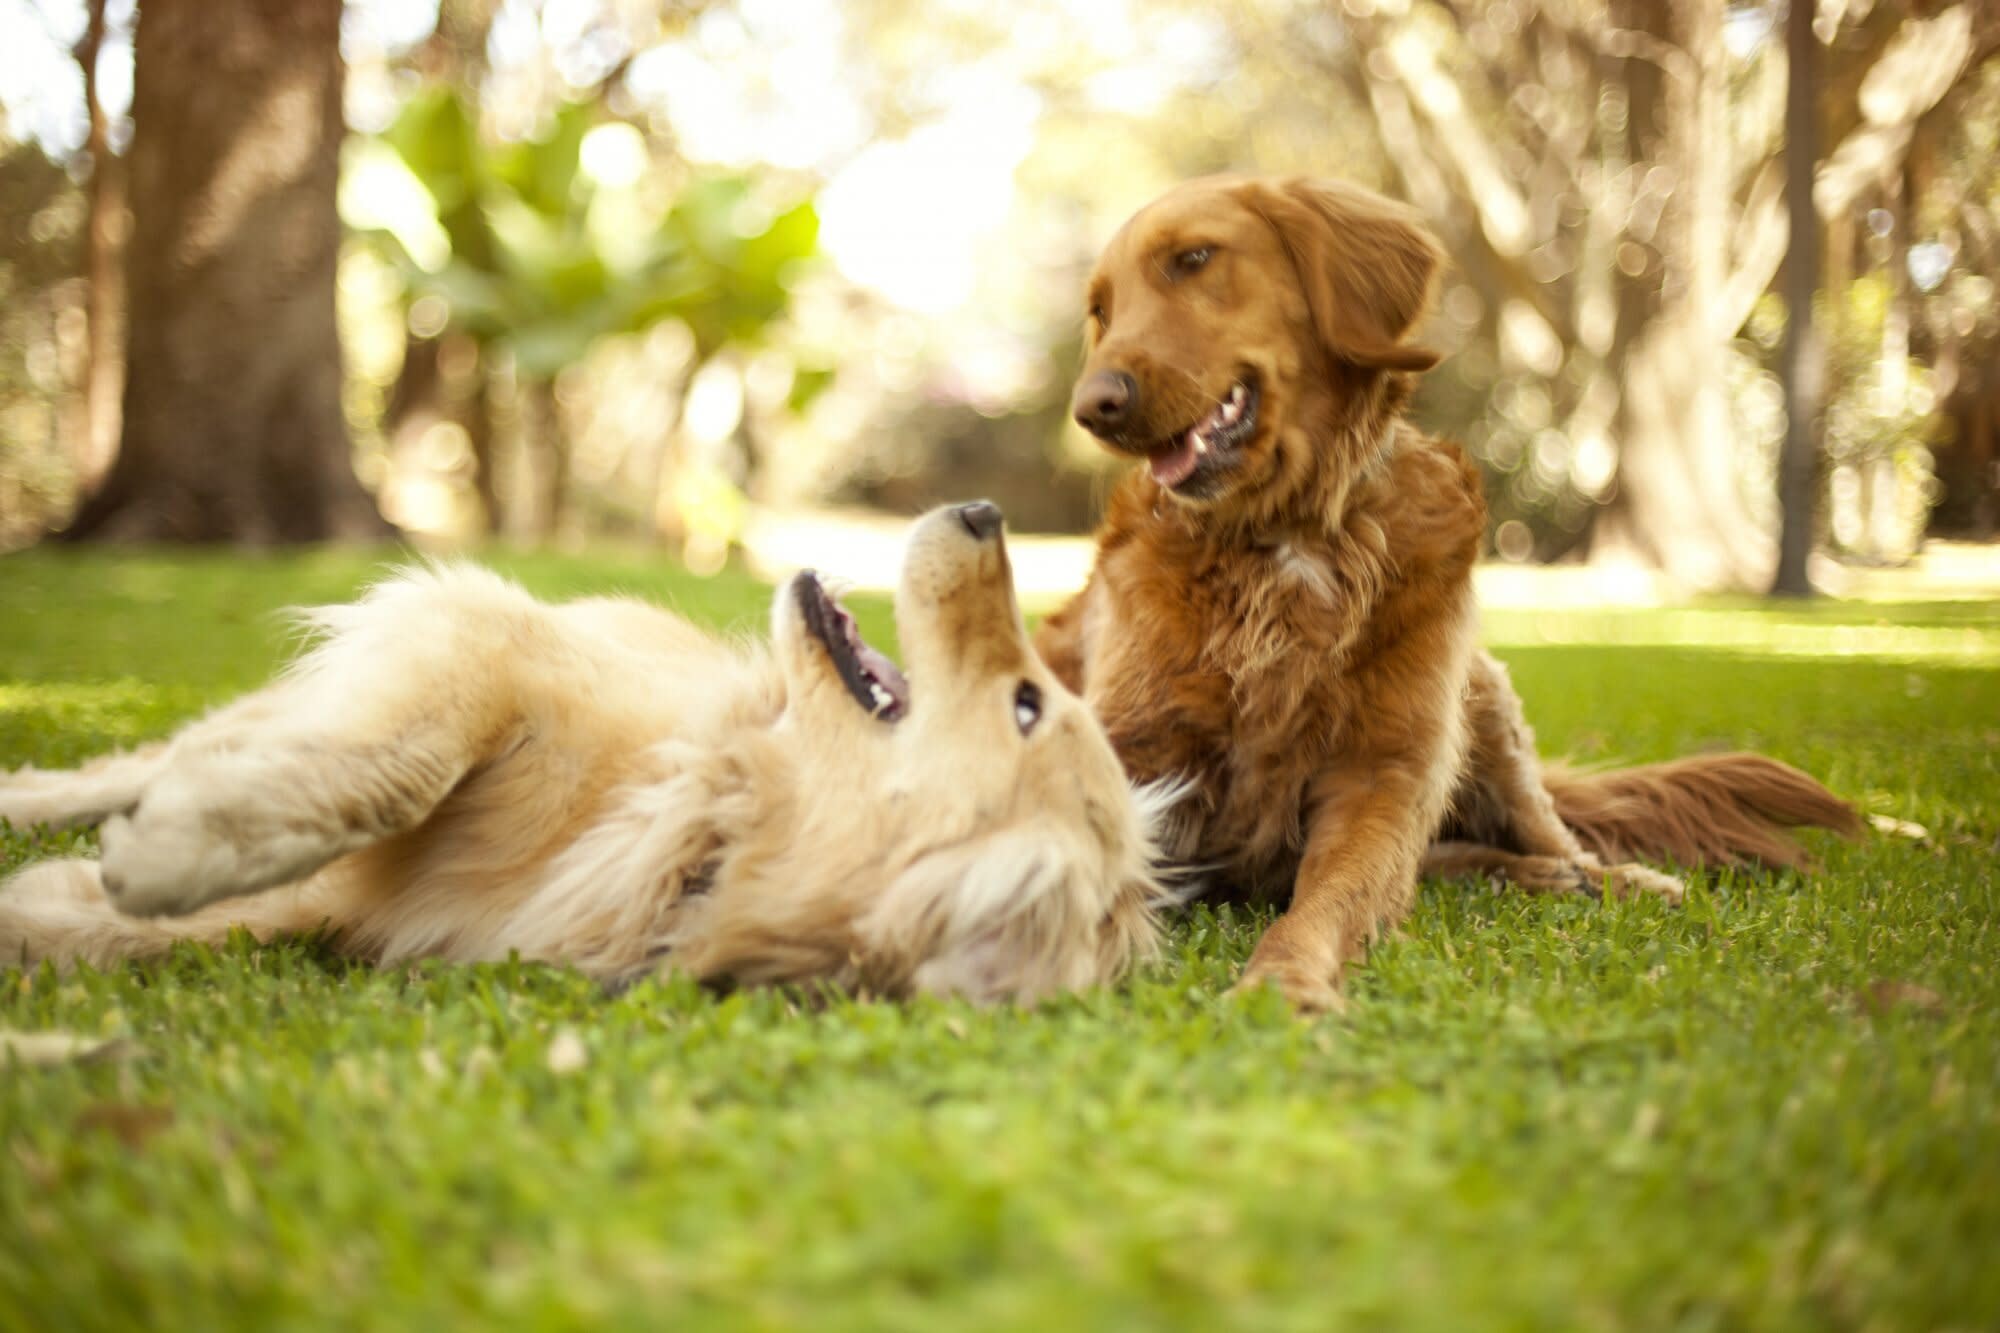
(1503, 806)
(1531, 874)
(69, 798)
(358, 742)
(111, 784)
(217, 825)
(57, 911)
(1545, 874)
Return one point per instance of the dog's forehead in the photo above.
(1197, 212)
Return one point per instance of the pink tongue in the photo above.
(1175, 467)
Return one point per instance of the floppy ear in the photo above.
(1365, 264)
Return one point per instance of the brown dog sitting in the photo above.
(1281, 612)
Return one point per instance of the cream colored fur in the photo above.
(457, 770)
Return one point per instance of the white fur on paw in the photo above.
(1629, 880)
(177, 852)
(161, 860)
(131, 870)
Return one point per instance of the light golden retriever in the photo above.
(1281, 610)
(460, 771)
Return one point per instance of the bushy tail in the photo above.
(1708, 810)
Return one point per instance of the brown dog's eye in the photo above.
(1027, 706)
(1097, 316)
(1191, 261)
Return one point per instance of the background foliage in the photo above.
(622, 266)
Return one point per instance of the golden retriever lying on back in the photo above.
(1281, 612)
(460, 771)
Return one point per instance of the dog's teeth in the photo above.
(883, 699)
(1200, 444)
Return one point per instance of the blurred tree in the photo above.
(104, 369)
(1803, 368)
(42, 221)
(535, 261)
(1952, 261)
(1908, 268)
(232, 426)
(1607, 174)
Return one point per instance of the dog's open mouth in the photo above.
(1227, 426)
(874, 681)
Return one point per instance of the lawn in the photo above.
(1777, 1107)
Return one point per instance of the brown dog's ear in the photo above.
(1365, 264)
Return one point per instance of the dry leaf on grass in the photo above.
(1880, 996)
(567, 1053)
(132, 1122)
(30, 1049)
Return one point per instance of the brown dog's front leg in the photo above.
(1358, 875)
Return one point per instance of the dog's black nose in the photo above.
(981, 519)
(1105, 401)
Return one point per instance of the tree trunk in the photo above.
(104, 371)
(1679, 505)
(232, 424)
(478, 418)
(1802, 371)
(545, 461)
(1985, 468)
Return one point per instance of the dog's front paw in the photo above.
(161, 859)
(130, 869)
(1308, 995)
(1304, 976)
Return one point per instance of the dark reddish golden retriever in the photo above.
(1281, 612)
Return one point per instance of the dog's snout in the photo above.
(981, 518)
(1105, 401)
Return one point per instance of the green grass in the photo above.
(1535, 1115)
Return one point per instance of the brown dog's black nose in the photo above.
(1105, 401)
(981, 519)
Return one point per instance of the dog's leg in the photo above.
(1531, 874)
(1369, 826)
(67, 799)
(321, 764)
(57, 911)
(111, 784)
(1546, 874)
(1503, 798)
(360, 741)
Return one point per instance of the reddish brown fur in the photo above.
(1293, 632)
(1724, 809)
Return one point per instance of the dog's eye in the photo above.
(1027, 706)
(1191, 261)
(1097, 316)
